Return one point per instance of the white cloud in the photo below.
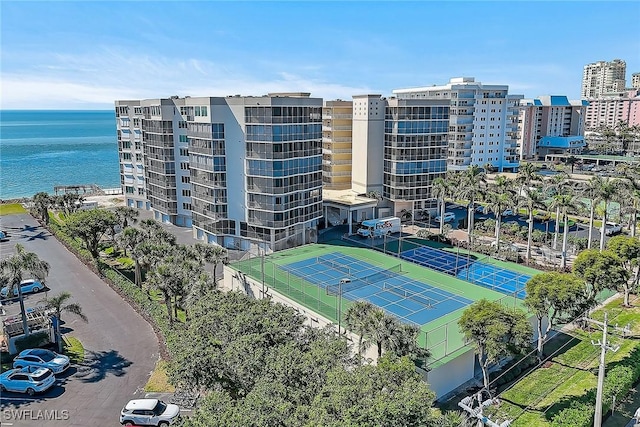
(95, 80)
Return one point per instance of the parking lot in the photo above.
(120, 347)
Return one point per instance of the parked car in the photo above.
(507, 212)
(41, 357)
(612, 228)
(28, 286)
(448, 217)
(3, 236)
(480, 209)
(30, 380)
(149, 412)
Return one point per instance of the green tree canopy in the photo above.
(495, 331)
(628, 251)
(600, 271)
(553, 296)
(90, 226)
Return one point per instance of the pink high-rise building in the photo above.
(613, 109)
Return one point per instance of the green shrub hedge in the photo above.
(34, 340)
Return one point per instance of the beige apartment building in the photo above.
(602, 77)
(336, 144)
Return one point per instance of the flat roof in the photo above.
(348, 198)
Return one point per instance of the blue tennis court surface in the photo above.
(478, 272)
(410, 300)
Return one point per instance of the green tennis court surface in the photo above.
(390, 278)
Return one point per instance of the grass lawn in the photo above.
(73, 348)
(536, 398)
(159, 381)
(11, 209)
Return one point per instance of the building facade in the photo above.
(399, 147)
(612, 109)
(235, 169)
(550, 125)
(337, 119)
(635, 81)
(602, 77)
(483, 122)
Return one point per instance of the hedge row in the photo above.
(617, 382)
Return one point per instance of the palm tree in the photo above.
(531, 199)
(58, 304)
(590, 191)
(202, 285)
(440, 189)
(473, 184)
(41, 202)
(12, 269)
(571, 161)
(527, 173)
(125, 214)
(214, 254)
(564, 202)
(606, 192)
(130, 239)
(379, 328)
(165, 277)
(356, 318)
(500, 197)
(556, 185)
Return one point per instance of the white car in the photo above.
(612, 228)
(448, 217)
(30, 380)
(149, 412)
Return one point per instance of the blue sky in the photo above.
(84, 55)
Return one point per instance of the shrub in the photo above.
(34, 340)
(537, 235)
(577, 415)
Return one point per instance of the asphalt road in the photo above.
(120, 347)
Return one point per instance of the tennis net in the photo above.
(365, 281)
(333, 264)
(427, 302)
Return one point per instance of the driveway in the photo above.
(120, 347)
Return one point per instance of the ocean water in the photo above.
(41, 149)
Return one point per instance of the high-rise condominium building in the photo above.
(336, 144)
(483, 121)
(602, 77)
(612, 109)
(635, 80)
(236, 169)
(399, 148)
(550, 125)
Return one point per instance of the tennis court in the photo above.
(469, 269)
(413, 293)
(410, 300)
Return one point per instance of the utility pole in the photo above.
(604, 347)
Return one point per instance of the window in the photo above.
(186, 193)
